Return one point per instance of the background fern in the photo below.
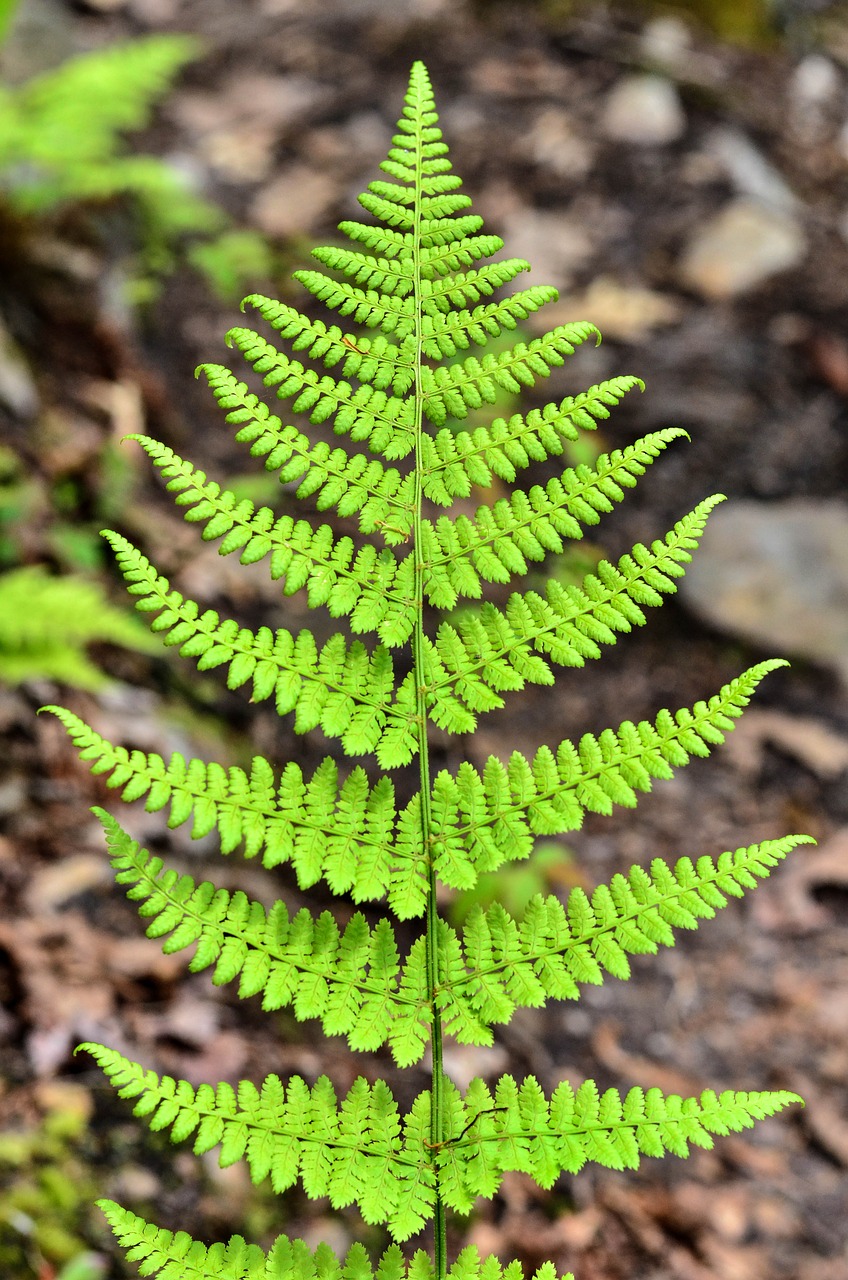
(417, 284)
(62, 142)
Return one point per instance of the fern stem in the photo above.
(418, 649)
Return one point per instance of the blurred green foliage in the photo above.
(47, 1221)
(46, 623)
(62, 143)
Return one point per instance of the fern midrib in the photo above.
(437, 1104)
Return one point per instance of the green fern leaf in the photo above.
(498, 542)
(454, 463)
(516, 1128)
(365, 414)
(452, 390)
(46, 622)
(351, 980)
(374, 360)
(339, 831)
(366, 1157)
(499, 964)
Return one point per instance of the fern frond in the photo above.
(497, 650)
(349, 979)
(517, 1128)
(370, 359)
(497, 543)
(175, 1256)
(355, 1152)
(379, 497)
(342, 689)
(385, 422)
(481, 821)
(453, 390)
(498, 964)
(370, 587)
(454, 463)
(360, 1152)
(62, 130)
(388, 275)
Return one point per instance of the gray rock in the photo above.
(18, 391)
(552, 243)
(777, 574)
(645, 110)
(667, 42)
(745, 244)
(814, 88)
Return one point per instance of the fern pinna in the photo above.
(416, 291)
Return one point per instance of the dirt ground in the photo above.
(306, 95)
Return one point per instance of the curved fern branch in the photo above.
(366, 413)
(370, 587)
(454, 463)
(355, 1152)
(375, 360)
(498, 964)
(479, 821)
(497, 543)
(493, 651)
(343, 689)
(350, 979)
(517, 1128)
(339, 831)
(379, 497)
(452, 390)
(175, 1256)
(447, 333)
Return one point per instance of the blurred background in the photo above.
(680, 172)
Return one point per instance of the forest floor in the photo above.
(285, 118)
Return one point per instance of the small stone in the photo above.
(749, 170)
(644, 110)
(627, 313)
(744, 245)
(666, 41)
(776, 574)
(815, 82)
(552, 243)
(294, 202)
(555, 146)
